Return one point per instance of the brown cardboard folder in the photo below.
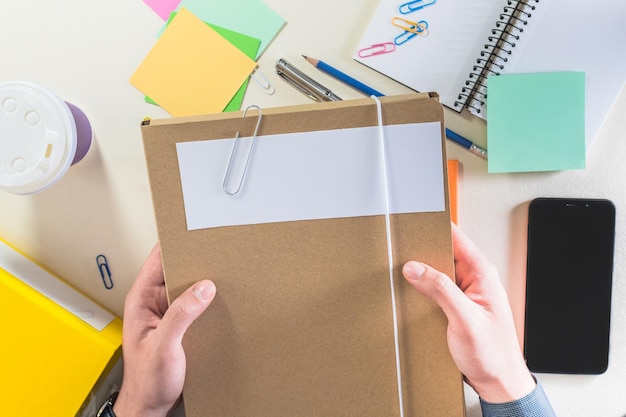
(302, 322)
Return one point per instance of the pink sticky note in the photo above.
(163, 7)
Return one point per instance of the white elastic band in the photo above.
(381, 135)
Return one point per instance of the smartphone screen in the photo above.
(568, 285)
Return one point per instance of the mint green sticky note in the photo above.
(536, 122)
(246, 44)
(250, 17)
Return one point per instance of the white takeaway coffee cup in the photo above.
(41, 136)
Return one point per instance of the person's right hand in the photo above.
(481, 331)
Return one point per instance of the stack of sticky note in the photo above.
(204, 56)
(536, 122)
(56, 343)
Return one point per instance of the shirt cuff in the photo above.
(535, 404)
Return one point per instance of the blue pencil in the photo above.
(453, 136)
(322, 66)
(466, 143)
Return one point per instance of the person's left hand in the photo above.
(154, 360)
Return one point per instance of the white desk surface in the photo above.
(86, 51)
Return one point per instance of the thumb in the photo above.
(186, 308)
(437, 286)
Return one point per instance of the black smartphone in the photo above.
(569, 274)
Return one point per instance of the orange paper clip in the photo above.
(410, 26)
(377, 49)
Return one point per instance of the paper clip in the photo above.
(404, 37)
(414, 6)
(233, 150)
(418, 28)
(105, 272)
(377, 49)
(263, 82)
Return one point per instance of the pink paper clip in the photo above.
(377, 49)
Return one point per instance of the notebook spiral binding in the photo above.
(495, 53)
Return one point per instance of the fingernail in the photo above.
(204, 291)
(413, 270)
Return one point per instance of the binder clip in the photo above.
(227, 177)
(414, 6)
(377, 49)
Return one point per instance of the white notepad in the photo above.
(463, 43)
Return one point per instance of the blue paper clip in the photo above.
(410, 32)
(414, 6)
(105, 272)
(404, 37)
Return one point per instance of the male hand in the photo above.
(481, 331)
(154, 360)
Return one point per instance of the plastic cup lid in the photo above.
(37, 137)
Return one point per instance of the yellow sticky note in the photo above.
(192, 69)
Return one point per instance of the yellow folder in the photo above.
(56, 343)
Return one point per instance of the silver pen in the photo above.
(304, 83)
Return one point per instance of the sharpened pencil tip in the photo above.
(304, 56)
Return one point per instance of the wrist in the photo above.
(510, 387)
(127, 405)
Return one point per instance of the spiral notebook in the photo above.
(451, 46)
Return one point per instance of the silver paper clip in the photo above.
(263, 82)
(377, 49)
(414, 6)
(105, 272)
(229, 190)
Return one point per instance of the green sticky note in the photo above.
(250, 17)
(536, 122)
(246, 44)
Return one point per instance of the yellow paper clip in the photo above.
(414, 6)
(377, 49)
(418, 28)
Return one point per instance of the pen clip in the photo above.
(304, 83)
(297, 86)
